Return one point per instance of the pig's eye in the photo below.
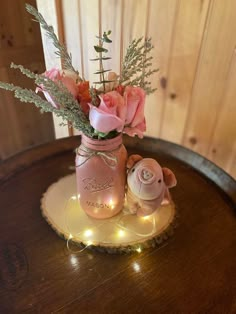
(133, 170)
(159, 180)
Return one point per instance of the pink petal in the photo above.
(133, 132)
(138, 130)
(132, 102)
(113, 103)
(135, 100)
(53, 74)
(139, 115)
(104, 122)
(38, 89)
(103, 106)
(70, 84)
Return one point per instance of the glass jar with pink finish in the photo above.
(101, 176)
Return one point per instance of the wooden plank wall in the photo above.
(21, 125)
(195, 104)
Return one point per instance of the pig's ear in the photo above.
(169, 178)
(132, 160)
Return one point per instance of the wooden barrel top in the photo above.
(193, 272)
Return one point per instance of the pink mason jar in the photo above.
(101, 176)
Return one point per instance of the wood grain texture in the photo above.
(161, 20)
(39, 275)
(191, 16)
(232, 165)
(223, 143)
(209, 88)
(111, 19)
(90, 28)
(72, 39)
(134, 20)
(18, 120)
(21, 125)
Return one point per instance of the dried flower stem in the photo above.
(136, 65)
(61, 49)
(69, 109)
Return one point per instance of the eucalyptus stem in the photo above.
(100, 49)
(102, 68)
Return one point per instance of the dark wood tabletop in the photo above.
(194, 271)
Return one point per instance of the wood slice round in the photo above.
(122, 233)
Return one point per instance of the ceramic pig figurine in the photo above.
(148, 185)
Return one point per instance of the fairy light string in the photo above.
(85, 235)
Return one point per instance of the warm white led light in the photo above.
(146, 217)
(73, 197)
(111, 203)
(139, 250)
(74, 261)
(89, 243)
(88, 233)
(136, 267)
(121, 233)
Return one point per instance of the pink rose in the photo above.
(135, 123)
(110, 115)
(66, 79)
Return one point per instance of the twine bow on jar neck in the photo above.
(108, 157)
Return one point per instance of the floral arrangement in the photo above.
(103, 109)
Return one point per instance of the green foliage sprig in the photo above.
(28, 96)
(94, 96)
(136, 67)
(61, 51)
(69, 108)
